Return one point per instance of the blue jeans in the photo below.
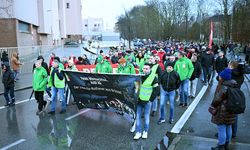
(147, 108)
(207, 71)
(7, 91)
(54, 98)
(155, 104)
(224, 133)
(164, 96)
(16, 74)
(184, 91)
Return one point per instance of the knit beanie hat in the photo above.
(226, 74)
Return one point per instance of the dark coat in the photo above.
(207, 60)
(220, 64)
(238, 76)
(219, 101)
(170, 81)
(8, 77)
(197, 70)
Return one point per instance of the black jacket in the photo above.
(114, 60)
(170, 81)
(197, 70)
(8, 77)
(207, 60)
(238, 76)
(220, 64)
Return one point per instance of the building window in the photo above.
(24, 27)
(67, 5)
(94, 25)
(86, 25)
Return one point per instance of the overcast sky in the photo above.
(109, 10)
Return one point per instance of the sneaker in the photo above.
(145, 135)
(137, 136)
(161, 121)
(181, 104)
(51, 112)
(171, 121)
(185, 105)
(63, 111)
(218, 147)
(12, 104)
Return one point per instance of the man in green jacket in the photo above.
(125, 67)
(185, 68)
(103, 66)
(39, 85)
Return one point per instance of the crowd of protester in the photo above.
(171, 71)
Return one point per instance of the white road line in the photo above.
(81, 112)
(180, 123)
(13, 144)
(23, 101)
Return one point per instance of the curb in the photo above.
(19, 89)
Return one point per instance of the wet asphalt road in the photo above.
(93, 129)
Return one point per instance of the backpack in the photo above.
(236, 103)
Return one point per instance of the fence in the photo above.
(28, 55)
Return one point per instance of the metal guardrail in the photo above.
(28, 55)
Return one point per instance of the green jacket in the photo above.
(58, 83)
(39, 79)
(127, 69)
(104, 67)
(184, 67)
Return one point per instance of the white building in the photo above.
(73, 13)
(93, 25)
(38, 22)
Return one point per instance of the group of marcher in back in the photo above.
(170, 73)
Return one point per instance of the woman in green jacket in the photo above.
(39, 85)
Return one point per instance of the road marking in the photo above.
(23, 101)
(13, 144)
(180, 123)
(81, 112)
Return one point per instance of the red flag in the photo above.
(211, 35)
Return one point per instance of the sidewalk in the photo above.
(186, 142)
(24, 82)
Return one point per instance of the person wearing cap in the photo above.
(8, 82)
(39, 85)
(57, 84)
(185, 68)
(170, 81)
(103, 66)
(147, 94)
(125, 67)
(222, 118)
(140, 61)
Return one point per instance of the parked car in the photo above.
(71, 44)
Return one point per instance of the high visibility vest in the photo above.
(146, 88)
(154, 69)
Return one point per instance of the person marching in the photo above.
(57, 82)
(39, 85)
(146, 95)
(8, 82)
(103, 66)
(170, 81)
(125, 67)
